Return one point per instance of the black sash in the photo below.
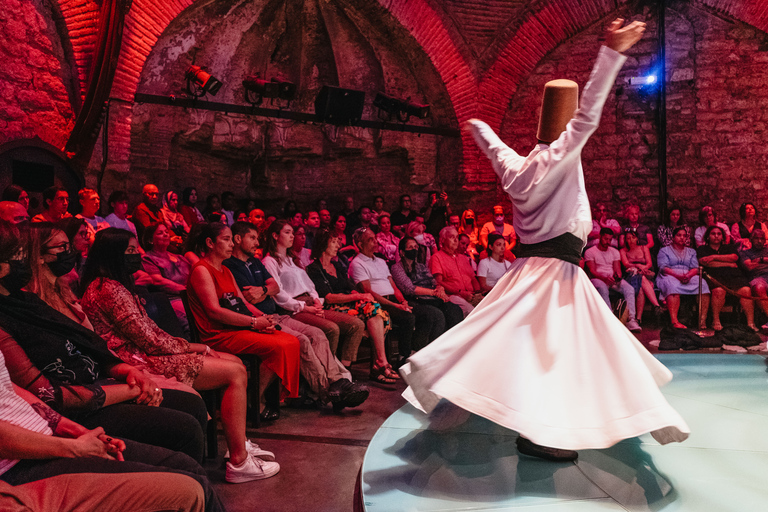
(566, 247)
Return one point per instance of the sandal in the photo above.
(390, 373)
(380, 375)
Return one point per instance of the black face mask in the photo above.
(132, 263)
(18, 276)
(65, 262)
(411, 254)
(469, 221)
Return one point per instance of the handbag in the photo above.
(234, 303)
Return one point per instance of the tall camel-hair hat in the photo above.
(558, 104)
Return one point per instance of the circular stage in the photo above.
(723, 466)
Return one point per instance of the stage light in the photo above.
(200, 82)
(257, 88)
(650, 79)
(403, 109)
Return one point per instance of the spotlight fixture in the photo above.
(257, 88)
(200, 82)
(403, 109)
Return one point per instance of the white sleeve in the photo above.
(283, 299)
(502, 157)
(358, 272)
(482, 268)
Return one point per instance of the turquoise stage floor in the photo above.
(723, 466)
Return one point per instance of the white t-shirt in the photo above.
(603, 259)
(374, 270)
(292, 280)
(492, 270)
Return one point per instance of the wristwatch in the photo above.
(264, 289)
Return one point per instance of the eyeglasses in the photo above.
(65, 247)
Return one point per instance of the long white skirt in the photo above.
(543, 355)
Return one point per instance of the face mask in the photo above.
(133, 263)
(18, 276)
(65, 262)
(419, 238)
(469, 222)
(411, 254)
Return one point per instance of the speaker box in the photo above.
(335, 105)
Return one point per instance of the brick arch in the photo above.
(81, 19)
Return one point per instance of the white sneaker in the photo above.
(251, 469)
(633, 326)
(254, 450)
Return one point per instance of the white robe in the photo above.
(542, 354)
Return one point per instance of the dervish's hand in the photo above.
(467, 126)
(622, 39)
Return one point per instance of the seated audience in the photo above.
(13, 212)
(371, 275)
(90, 203)
(169, 272)
(755, 260)
(212, 205)
(492, 268)
(53, 355)
(56, 203)
(463, 250)
(80, 241)
(720, 262)
(678, 275)
(388, 241)
(601, 218)
(404, 216)
(173, 218)
(258, 219)
(302, 256)
(297, 220)
(16, 194)
(192, 215)
(741, 231)
(436, 212)
(228, 323)
(499, 226)
(339, 228)
(325, 218)
(427, 245)
(118, 205)
(54, 463)
(418, 285)
(674, 219)
(241, 216)
(120, 319)
(328, 378)
(147, 213)
(290, 209)
(604, 264)
(339, 295)
(310, 228)
(378, 210)
(468, 226)
(454, 273)
(638, 270)
(228, 206)
(643, 232)
(194, 245)
(708, 217)
(454, 220)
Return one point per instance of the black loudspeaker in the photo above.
(339, 106)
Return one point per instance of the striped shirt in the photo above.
(16, 411)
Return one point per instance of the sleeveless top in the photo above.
(224, 283)
(566, 247)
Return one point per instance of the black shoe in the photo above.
(269, 414)
(344, 393)
(528, 447)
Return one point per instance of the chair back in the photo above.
(193, 332)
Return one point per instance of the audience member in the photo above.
(13, 212)
(310, 229)
(643, 232)
(455, 273)
(169, 272)
(678, 275)
(325, 219)
(427, 245)
(119, 318)
(228, 323)
(454, 220)
(194, 246)
(378, 210)
(297, 220)
(241, 216)
(16, 194)
(371, 275)
(339, 230)
(118, 218)
(212, 205)
(720, 262)
(708, 217)
(90, 203)
(147, 213)
(388, 241)
(601, 218)
(499, 226)
(290, 209)
(492, 268)
(638, 271)
(302, 256)
(674, 219)
(741, 231)
(339, 295)
(419, 286)
(328, 378)
(322, 204)
(228, 206)
(468, 226)
(192, 215)
(173, 218)
(436, 212)
(65, 364)
(258, 219)
(56, 203)
(604, 264)
(403, 217)
(80, 241)
(755, 260)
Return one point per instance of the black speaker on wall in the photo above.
(339, 106)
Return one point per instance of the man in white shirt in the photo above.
(604, 264)
(90, 202)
